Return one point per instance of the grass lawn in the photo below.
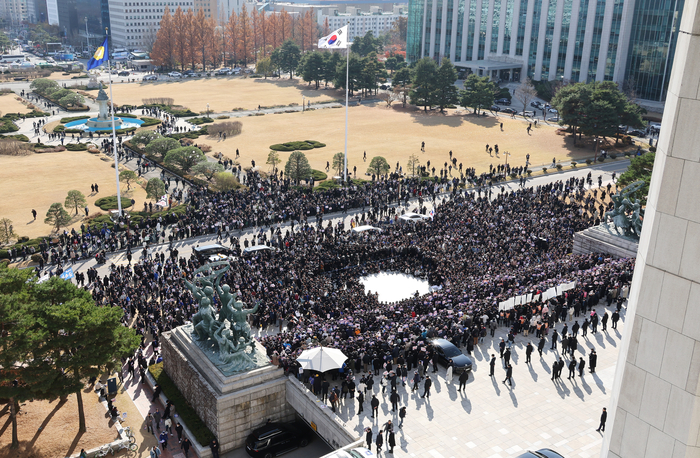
(223, 93)
(10, 104)
(395, 134)
(38, 180)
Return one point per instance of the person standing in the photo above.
(509, 375)
(592, 360)
(392, 441)
(463, 378)
(375, 405)
(379, 441)
(163, 439)
(615, 318)
(394, 398)
(492, 364)
(402, 415)
(450, 369)
(581, 366)
(506, 357)
(368, 437)
(149, 422)
(155, 452)
(214, 446)
(603, 321)
(554, 340)
(540, 346)
(156, 419)
(603, 419)
(360, 401)
(426, 387)
(528, 352)
(34, 214)
(416, 381)
(185, 446)
(572, 368)
(178, 430)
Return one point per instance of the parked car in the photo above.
(275, 439)
(175, 75)
(553, 110)
(541, 453)
(124, 73)
(636, 133)
(527, 113)
(223, 71)
(413, 217)
(503, 101)
(447, 351)
(509, 110)
(150, 78)
(495, 108)
(212, 253)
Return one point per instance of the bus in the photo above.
(12, 58)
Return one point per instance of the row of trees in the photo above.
(189, 39)
(52, 90)
(54, 338)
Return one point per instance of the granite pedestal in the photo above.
(598, 239)
(231, 406)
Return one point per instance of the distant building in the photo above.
(630, 42)
(17, 11)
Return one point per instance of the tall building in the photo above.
(17, 11)
(134, 24)
(626, 41)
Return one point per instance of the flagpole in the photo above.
(114, 132)
(347, 89)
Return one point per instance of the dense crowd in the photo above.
(477, 251)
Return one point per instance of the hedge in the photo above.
(76, 146)
(7, 125)
(126, 115)
(297, 146)
(326, 185)
(19, 137)
(110, 202)
(318, 175)
(150, 122)
(200, 121)
(73, 118)
(186, 412)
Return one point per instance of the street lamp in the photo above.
(207, 109)
(303, 101)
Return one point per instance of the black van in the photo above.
(275, 439)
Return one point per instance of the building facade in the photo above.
(17, 11)
(630, 42)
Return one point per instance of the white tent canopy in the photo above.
(321, 359)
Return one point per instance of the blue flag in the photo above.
(101, 55)
(68, 274)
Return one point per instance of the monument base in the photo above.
(231, 406)
(598, 239)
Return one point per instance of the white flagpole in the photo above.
(114, 135)
(347, 88)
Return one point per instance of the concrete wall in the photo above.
(655, 407)
(328, 425)
(598, 240)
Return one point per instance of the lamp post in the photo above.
(303, 101)
(207, 109)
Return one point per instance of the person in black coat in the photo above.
(379, 441)
(368, 437)
(540, 346)
(426, 386)
(360, 401)
(572, 368)
(394, 398)
(509, 375)
(528, 352)
(392, 441)
(592, 360)
(492, 364)
(581, 366)
(603, 418)
(375, 405)
(463, 378)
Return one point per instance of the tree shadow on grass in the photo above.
(46, 422)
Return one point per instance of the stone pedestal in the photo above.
(232, 406)
(598, 239)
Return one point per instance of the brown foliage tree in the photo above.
(164, 48)
(232, 38)
(180, 26)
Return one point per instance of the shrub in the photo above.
(627, 154)
(200, 121)
(36, 257)
(73, 118)
(110, 203)
(544, 169)
(559, 166)
(529, 172)
(513, 175)
(297, 146)
(147, 122)
(573, 164)
(186, 412)
(612, 156)
(601, 159)
(167, 101)
(589, 161)
(652, 149)
(230, 128)
(318, 175)
(77, 146)
(223, 117)
(205, 148)
(6, 125)
(326, 185)
(18, 137)
(126, 115)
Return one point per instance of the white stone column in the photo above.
(422, 41)
(573, 27)
(514, 28)
(655, 402)
(540, 39)
(465, 30)
(477, 30)
(489, 30)
(453, 39)
(433, 25)
(605, 40)
(556, 37)
(501, 27)
(443, 28)
(588, 40)
(623, 41)
(528, 36)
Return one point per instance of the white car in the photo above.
(414, 217)
(553, 110)
(175, 75)
(150, 78)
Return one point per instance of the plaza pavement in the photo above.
(493, 420)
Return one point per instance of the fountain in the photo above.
(103, 121)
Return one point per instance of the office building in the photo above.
(17, 11)
(627, 41)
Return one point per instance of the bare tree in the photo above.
(525, 93)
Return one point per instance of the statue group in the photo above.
(224, 338)
(627, 214)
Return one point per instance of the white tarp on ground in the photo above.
(394, 286)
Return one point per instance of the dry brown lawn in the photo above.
(50, 429)
(10, 104)
(38, 180)
(395, 134)
(223, 93)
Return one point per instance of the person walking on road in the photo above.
(603, 419)
(463, 378)
(402, 415)
(509, 375)
(426, 387)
